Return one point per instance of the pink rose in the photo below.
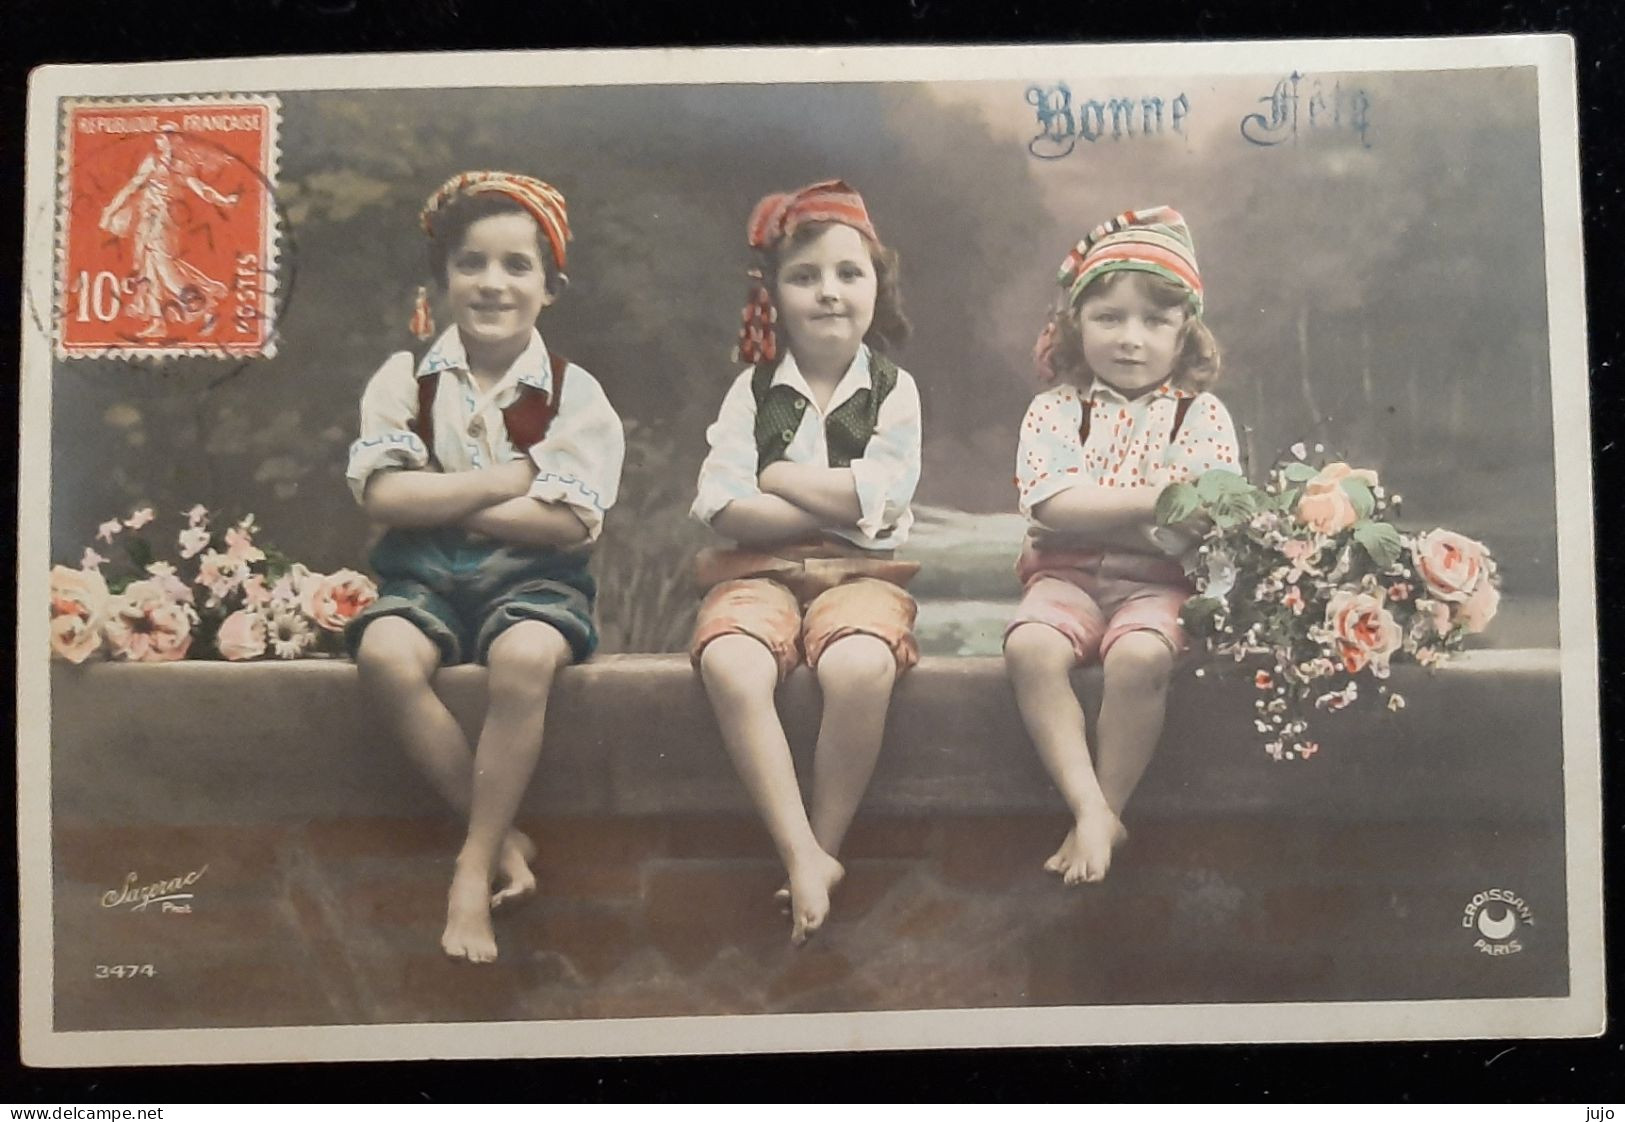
(241, 636)
(78, 608)
(1452, 565)
(1302, 553)
(145, 625)
(1365, 632)
(1324, 505)
(1294, 600)
(332, 601)
(1479, 608)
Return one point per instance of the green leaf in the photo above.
(1177, 502)
(1198, 612)
(1233, 510)
(139, 552)
(1380, 541)
(1360, 495)
(1215, 484)
(1299, 473)
(1287, 500)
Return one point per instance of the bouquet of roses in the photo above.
(223, 595)
(1304, 585)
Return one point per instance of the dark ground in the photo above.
(339, 923)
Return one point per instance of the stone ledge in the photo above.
(204, 742)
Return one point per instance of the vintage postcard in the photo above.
(544, 554)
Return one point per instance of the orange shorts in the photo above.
(770, 613)
(1094, 597)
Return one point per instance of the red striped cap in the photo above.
(542, 200)
(777, 216)
(1153, 240)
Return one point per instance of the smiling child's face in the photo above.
(1130, 342)
(826, 293)
(495, 281)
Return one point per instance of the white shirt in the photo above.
(885, 475)
(578, 462)
(1128, 440)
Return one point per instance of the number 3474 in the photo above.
(130, 970)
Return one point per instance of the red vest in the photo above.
(527, 419)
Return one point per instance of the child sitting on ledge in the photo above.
(492, 461)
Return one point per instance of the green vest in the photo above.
(847, 430)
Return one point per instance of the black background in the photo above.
(43, 31)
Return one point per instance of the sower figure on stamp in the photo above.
(1128, 414)
(813, 462)
(492, 461)
(165, 283)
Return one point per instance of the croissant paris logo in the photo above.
(1495, 916)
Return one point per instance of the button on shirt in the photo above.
(1128, 440)
(578, 461)
(885, 475)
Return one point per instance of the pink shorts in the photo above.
(769, 612)
(1094, 597)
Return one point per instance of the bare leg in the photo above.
(740, 677)
(856, 674)
(1131, 712)
(1039, 660)
(397, 663)
(523, 660)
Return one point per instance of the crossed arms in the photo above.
(494, 501)
(796, 500)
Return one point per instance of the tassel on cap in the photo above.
(422, 317)
(758, 341)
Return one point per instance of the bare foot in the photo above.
(1086, 853)
(811, 882)
(515, 881)
(468, 918)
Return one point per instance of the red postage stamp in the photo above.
(167, 228)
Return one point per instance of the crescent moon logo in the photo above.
(1497, 928)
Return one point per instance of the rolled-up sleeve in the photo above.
(578, 463)
(386, 443)
(889, 469)
(729, 470)
(1049, 455)
(1207, 440)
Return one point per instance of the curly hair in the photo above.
(1196, 365)
(451, 224)
(890, 327)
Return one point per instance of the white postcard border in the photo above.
(1581, 1013)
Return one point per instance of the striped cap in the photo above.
(542, 200)
(777, 216)
(1154, 240)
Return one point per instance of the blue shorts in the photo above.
(462, 593)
